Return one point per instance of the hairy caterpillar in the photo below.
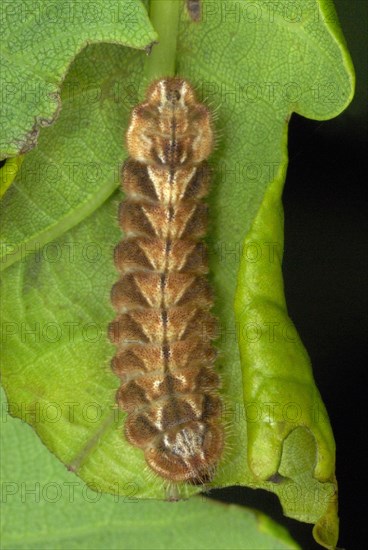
(164, 327)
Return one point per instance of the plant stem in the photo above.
(164, 15)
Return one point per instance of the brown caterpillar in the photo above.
(164, 328)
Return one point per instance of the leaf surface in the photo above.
(77, 164)
(38, 43)
(44, 506)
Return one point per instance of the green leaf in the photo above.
(255, 68)
(289, 435)
(8, 171)
(76, 166)
(39, 41)
(37, 492)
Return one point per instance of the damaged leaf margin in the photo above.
(38, 43)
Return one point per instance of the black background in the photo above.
(325, 273)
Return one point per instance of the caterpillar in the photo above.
(164, 328)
